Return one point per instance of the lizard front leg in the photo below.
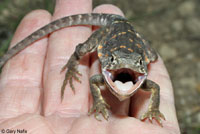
(99, 104)
(71, 72)
(82, 49)
(153, 109)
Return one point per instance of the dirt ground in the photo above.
(173, 28)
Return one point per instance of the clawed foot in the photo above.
(72, 73)
(156, 114)
(100, 106)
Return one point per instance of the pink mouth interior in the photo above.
(124, 81)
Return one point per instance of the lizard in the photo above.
(123, 54)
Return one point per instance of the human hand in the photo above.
(31, 81)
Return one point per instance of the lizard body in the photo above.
(123, 54)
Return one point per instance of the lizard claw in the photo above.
(156, 114)
(71, 74)
(100, 106)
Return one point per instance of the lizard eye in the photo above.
(112, 59)
(140, 61)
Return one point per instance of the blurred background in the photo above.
(172, 27)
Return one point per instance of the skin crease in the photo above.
(30, 84)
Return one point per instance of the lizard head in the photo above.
(124, 73)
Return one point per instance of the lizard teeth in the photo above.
(123, 86)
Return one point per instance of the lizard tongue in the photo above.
(124, 87)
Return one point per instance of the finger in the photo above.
(117, 107)
(21, 77)
(108, 8)
(158, 74)
(62, 44)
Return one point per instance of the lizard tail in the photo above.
(81, 19)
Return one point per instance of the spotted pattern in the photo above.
(113, 49)
(130, 40)
(121, 38)
(99, 54)
(139, 45)
(100, 47)
(122, 46)
(114, 36)
(129, 49)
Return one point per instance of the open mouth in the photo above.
(124, 81)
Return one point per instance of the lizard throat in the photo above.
(123, 82)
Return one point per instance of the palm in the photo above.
(30, 85)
